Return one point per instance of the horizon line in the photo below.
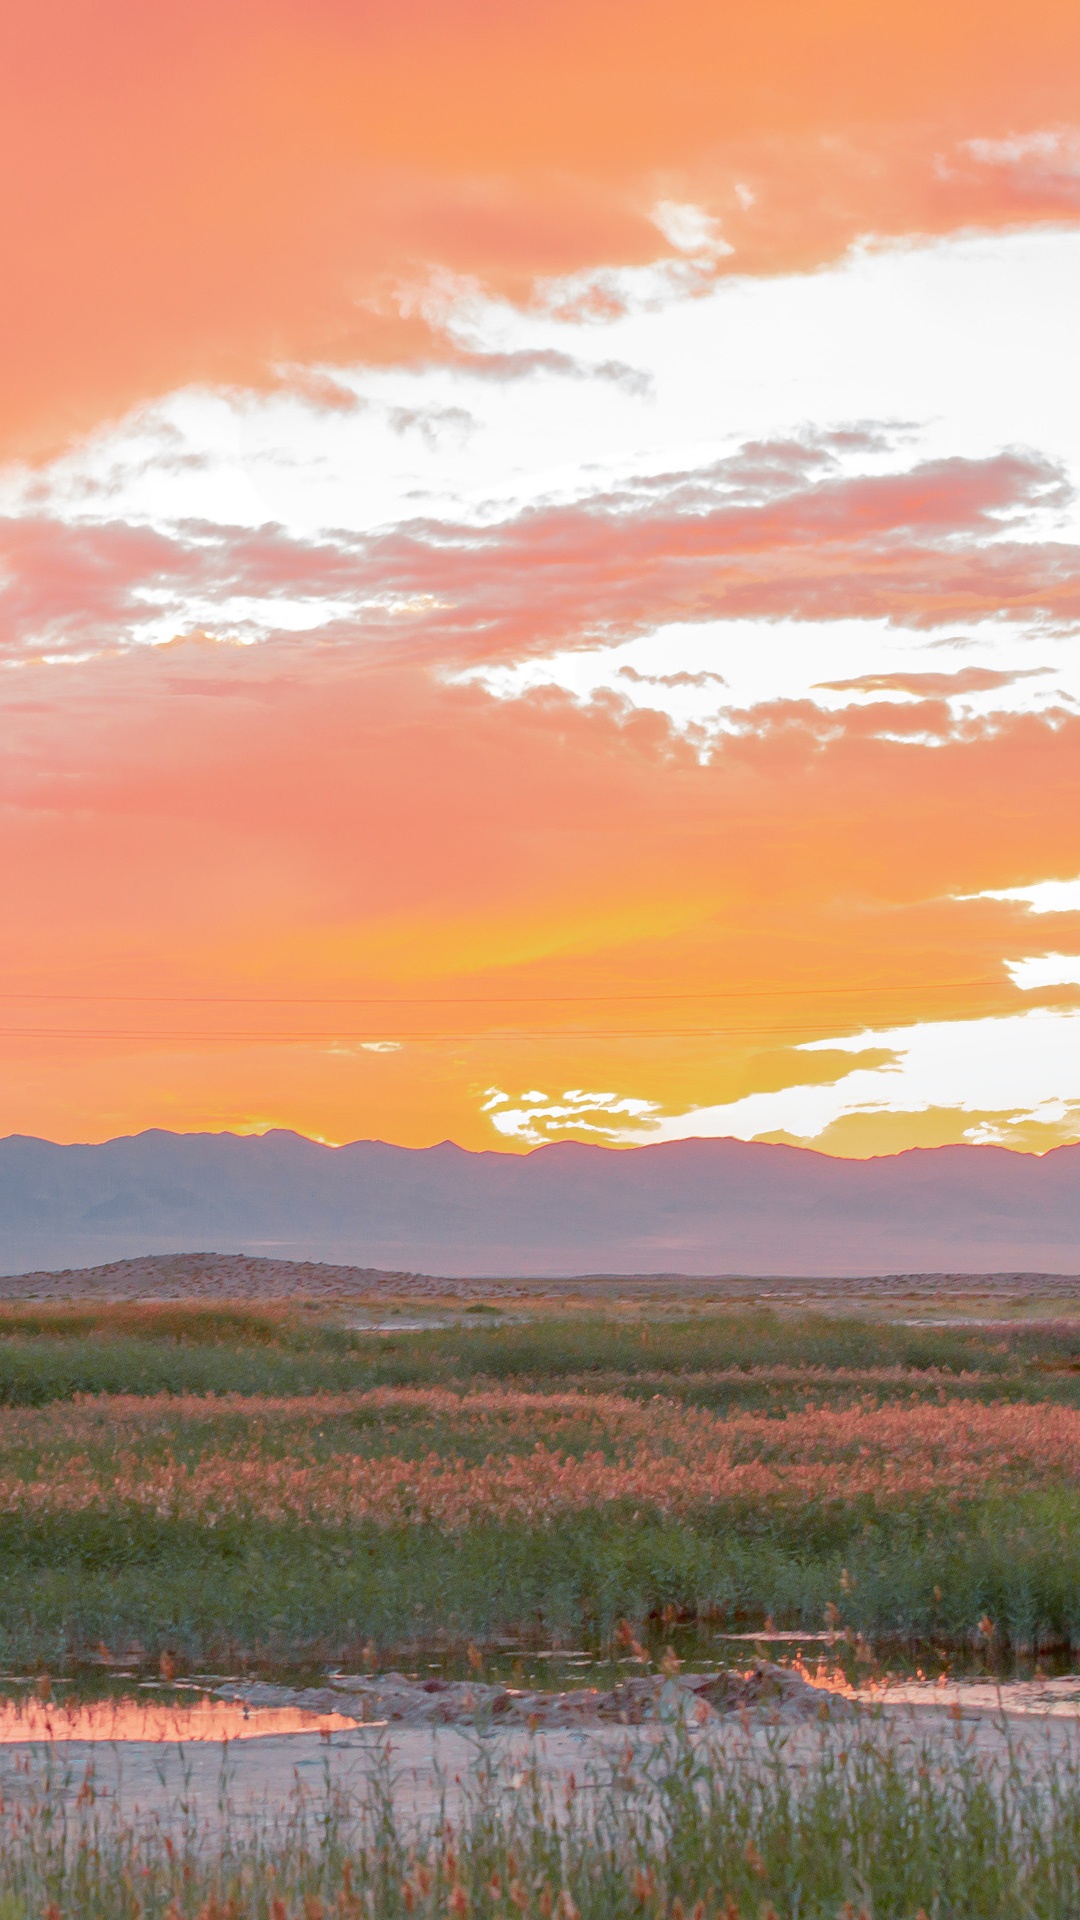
(543, 1146)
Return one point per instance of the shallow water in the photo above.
(1054, 1695)
(186, 1714)
(99, 1701)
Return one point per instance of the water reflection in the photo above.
(99, 1700)
(196, 1717)
(1058, 1696)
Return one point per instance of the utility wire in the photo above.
(399, 1036)
(293, 1035)
(486, 999)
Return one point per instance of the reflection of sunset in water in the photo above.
(1043, 1694)
(134, 1719)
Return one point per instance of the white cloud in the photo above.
(1026, 1065)
(1044, 896)
(536, 1120)
(1045, 970)
(750, 661)
(690, 229)
(1052, 150)
(907, 334)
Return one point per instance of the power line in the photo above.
(489, 999)
(365, 1036)
(398, 1036)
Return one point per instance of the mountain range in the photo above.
(699, 1206)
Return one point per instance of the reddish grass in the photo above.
(587, 1451)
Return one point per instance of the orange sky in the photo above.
(193, 836)
(201, 191)
(323, 880)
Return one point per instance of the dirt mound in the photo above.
(763, 1690)
(221, 1276)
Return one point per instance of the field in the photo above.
(273, 1487)
(276, 1486)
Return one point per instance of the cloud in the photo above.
(548, 363)
(691, 230)
(1038, 169)
(1011, 1081)
(252, 185)
(775, 530)
(930, 686)
(600, 1117)
(1045, 970)
(1043, 896)
(704, 679)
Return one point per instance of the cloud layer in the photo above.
(777, 529)
(215, 190)
(576, 634)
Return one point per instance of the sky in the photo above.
(540, 570)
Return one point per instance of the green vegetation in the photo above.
(243, 1527)
(285, 1594)
(52, 1353)
(860, 1833)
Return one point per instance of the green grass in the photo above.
(858, 1833)
(285, 1593)
(53, 1353)
(70, 1581)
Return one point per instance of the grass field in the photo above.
(854, 1835)
(53, 1352)
(226, 1483)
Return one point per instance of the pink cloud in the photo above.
(775, 530)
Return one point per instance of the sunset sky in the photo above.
(541, 570)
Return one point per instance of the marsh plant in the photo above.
(208, 1483)
(679, 1834)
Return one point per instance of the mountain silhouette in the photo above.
(691, 1206)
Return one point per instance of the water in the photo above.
(102, 1701)
(186, 1713)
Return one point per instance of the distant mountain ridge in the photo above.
(698, 1206)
